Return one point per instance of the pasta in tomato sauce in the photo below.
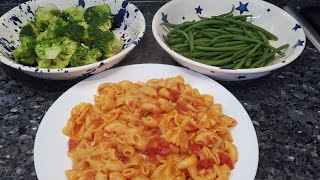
(161, 129)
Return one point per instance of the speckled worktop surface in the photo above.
(284, 107)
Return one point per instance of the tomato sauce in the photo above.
(181, 108)
(122, 158)
(157, 146)
(157, 116)
(174, 95)
(72, 144)
(205, 164)
(77, 128)
(225, 159)
(90, 176)
(98, 122)
(96, 157)
(180, 86)
(194, 149)
(191, 126)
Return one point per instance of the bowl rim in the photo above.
(124, 52)
(269, 68)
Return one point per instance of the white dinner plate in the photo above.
(50, 149)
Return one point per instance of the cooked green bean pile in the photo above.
(225, 41)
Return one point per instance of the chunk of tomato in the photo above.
(73, 143)
(205, 163)
(225, 159)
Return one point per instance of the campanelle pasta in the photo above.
(161, 129)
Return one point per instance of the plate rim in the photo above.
(255, 138)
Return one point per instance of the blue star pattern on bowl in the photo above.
(299, 43)
(296, 27)
(165, 18)
(82, 3)
(243, 7)
(198, 10)
(241, 77)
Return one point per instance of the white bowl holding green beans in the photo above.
(228, 40)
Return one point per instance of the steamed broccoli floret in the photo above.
(83, 56)
(29, 29)
(55, 53)
(105, 41)
(53, 29)
(74, 31)
(44, 15)
(99, 16)
(74, 14)
(85, 38)
(25, 54)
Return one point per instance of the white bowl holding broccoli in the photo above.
(69, 39)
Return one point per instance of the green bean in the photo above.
(276, 50)
(214, 63)
(218, 49)
(184, 34)
(180, 50)
(174, 36)
(244, 38)
(248, 62)
(184, 25)
(254, 49)
(199, 43)
(191, 40)
(264, 37)
(229, 43)
(173, 41)
(205, 54)
(200, 35)
(246, 32)
(204, 18)
(187, 45)
(216, 60)
(234, 29)
(241, 17)
(282, 47)
(223, 55)
(240, 62)
(214, 40)
(216, 30)
(236, 55)
(229, 66)
(201, 40)
(170, 25)
(206, 22)
(247, 57)
(243, 52)
(264, 56)
(207, 34)
(180, 45)
(268, 61)
(247, 24)
(270, 54)
(198, 27)
(228, 13)
(258, 41)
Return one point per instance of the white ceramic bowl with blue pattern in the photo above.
(265, 15)
(127, 16)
